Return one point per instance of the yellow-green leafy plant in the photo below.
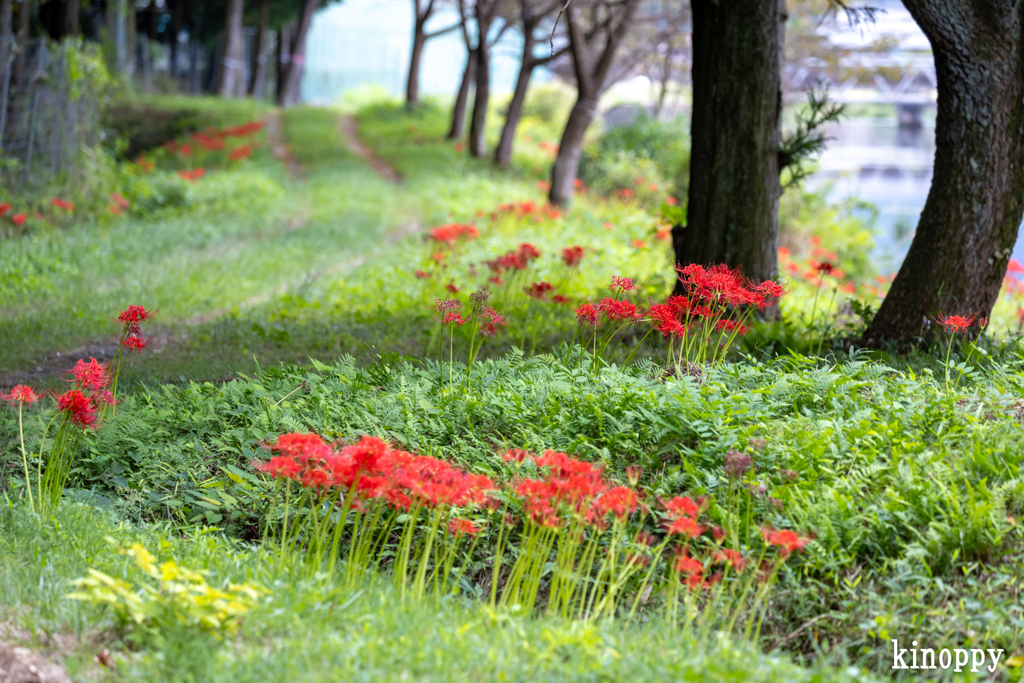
(169, 596)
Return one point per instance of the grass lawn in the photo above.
(300, 298)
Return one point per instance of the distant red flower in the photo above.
(786, 541)
(539, 290)
(79, 409)
(608, 226)
(495, 280)
(185, 150)
(955, 323)
(686, 526)
(664, 235)
(459, 147)
(461, 527)
(19, 219)
(492, 320)
(559, 299)
(516, 455)
(825, 268)
(4, 208)
(681, 506)
(239, 153)
(733, 558)
(453, 318)
(452, 288)
(671, 201)
(571, 256)
(449, 234)
(119, 200)
(691, 570)
(63, 204)
(92, 375)
(421, 274)
(543, 186)
(527, 252)
(134, 314)
(20, 394)
(587, 314)
(639, 244)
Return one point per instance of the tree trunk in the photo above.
(970, 220)
(177, 20)
(412, 84)
(284, 46)
(24, 19)
(567, 163)
(290, 94)
(259, 72)
(732, 212)
(234, 50)
(459, 110)
(6, 39)
(72, 9)
(478, 122)
(503, 155)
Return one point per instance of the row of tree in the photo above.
(969, 225)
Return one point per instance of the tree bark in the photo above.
(591, 69)
(24, 19)
(290, 93)
(567, 163)
(234, 50)
(458, 126)
(478, 122)
(969, 224)
(72, 8)
(733, 207)
(419, 39)
(6, 39)
(259, 72)
(503, 154)
(177, 21)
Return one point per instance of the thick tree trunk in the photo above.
(970, 220)
(234, 51)
(290, 93)
(733, 207)
(412, 83)
(567, 163)
(458, 126)
(259, 71)
(503, 154)
(478, 122)
(72, 8)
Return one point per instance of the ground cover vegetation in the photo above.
(476, 418)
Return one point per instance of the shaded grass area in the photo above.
(310, 631)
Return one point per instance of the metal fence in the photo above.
(46, 117)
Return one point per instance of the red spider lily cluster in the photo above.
(572, 256)
(449, 235)
(193, 175)
(553, 511)
(527, 208)
(63, 204)
(517, 259)
(241, 152)
(118, 205)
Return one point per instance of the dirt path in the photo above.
(275, 137)
(349, 127)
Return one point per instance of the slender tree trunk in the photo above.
(412, 84)
(503, 154)
(234, 50)
(458, 126)
(478, 122)
(970, 220)
(6, 38)
(666, 76)
(72, 8)
(177, 19)
(131, 37)
(24, 19)
(293, 73)
(284, 47)
(259, 72)
(567, 163)
(733, 207)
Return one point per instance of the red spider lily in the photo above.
(645, 538)
(671, 201)
(691, 570)
(239, 153)
(620, 502)
(135, 343)
(622, 284)
(681, 506)
(729, 326)
(733, 558)
(539, 290)
(63, 204)
(192, 176)
(571, 256)
(453, 318)
(783, 252)
(119, 200)
(208, 143)
(446, 305)
(461, 527)
(78, 408)
(19, 219)
(625, 193)
(786, 541)
(633, 474)
(528, 252)
(685, 526)
(134, 314)
(491, 321)
(664, 235)
(4, 208)
(451, 288)
(825, 268)
(92, 375)
(614, 309)
(543, 186)
(21, 395)
(639, 244)
(421, 274)
(185, 150)
(587, 314)
(242, 130)
(559, 299)
(451, 233)
(516, 455)
(608, 226)
(495, 280)
(718, 533)
(437, 257)
(955, 323)
(302, 447)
